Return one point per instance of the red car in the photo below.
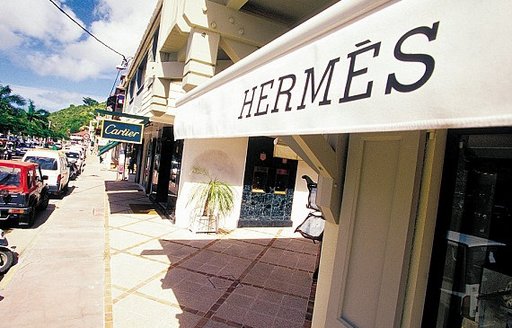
(22, 191)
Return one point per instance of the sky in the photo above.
(47, 58)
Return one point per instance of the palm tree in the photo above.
(39, 115)
(9, 102)
(10, 110)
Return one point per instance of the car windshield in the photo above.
(46, 163)
(72, 155)
(9, 176)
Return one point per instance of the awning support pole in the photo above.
(328, 160)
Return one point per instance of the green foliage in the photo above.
(39, 122)
(71, 119)
(212, 198)
(88, 101)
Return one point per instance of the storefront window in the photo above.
(260, 179)
(282, 176)
(471, 271)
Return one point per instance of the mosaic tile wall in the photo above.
(265, 209)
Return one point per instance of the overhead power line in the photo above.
(86, 31)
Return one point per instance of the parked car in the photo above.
(22, 191)
(74, 157)
(54, 164)
(22, 148)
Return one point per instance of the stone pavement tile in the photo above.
(129, 271)
(120, 239)
(292, 315)
(294, 302)
(189, 238)
(261, 236)
(258, 320)
(117, 292)
(164, 251)
(297, 245)
(149, 228)
(283, 323)
(231, 312)
(258, 274)
(237, 248)
(188, 289)
(159, 219)
(290, 259)
(137, 311)
(159, 289)
(216, 264)
(118, 221)
(212, 323)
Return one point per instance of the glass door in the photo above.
(470, 283)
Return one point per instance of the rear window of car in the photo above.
(10, 176)
(72, 154)
(45, 163)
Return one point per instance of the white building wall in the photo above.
(225, 160)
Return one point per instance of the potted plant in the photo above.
(212, 199)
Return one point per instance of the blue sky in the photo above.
(45, 57)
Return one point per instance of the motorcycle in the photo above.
(6, 254)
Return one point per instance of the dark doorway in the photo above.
(162, 165)
(268, 186)
(174, 178)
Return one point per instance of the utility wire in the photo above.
(115, 81)
(86, 31)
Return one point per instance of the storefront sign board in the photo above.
(407, 65)
(122, 131)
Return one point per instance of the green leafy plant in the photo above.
(213, 197)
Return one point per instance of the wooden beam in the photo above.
(236, 4)
(236, 50)
(232, 24)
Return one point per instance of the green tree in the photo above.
(11, 111)
(89, 101)
(10, 102)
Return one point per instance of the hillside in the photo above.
(72, 118)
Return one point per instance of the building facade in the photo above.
(186, 44)
(403, 109)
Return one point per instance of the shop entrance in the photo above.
(268, 186)
(471, 269)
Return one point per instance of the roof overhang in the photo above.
(365, 66)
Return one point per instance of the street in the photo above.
(64, 248)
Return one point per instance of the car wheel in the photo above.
(60, 193)
(6, 260)
(32, 216)
(45, 201)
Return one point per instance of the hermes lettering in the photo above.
(276, 95)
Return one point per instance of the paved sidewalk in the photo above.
(106, 258)
(163, 276)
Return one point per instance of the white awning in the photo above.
(356, 67)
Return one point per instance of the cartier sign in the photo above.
(122, 131)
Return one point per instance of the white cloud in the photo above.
(51, 100)
(38, 37)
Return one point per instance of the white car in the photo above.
(75, 157)
(54, 164)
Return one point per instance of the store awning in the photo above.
(366, 66)
(107, 147)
